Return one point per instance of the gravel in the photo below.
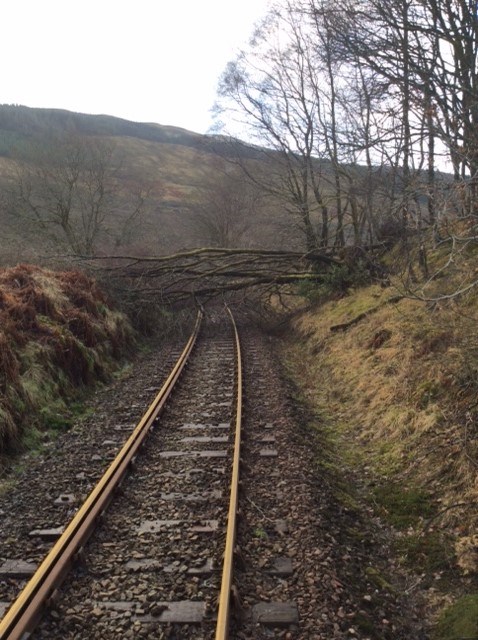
(298, 544)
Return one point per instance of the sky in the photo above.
(143, 60)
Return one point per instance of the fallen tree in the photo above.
(244, 275)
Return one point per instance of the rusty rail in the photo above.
(222, 626)
(25, 612)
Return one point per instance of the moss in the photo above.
(376, 578)
(427, 392)
(8, 430)
(37, 388)
(403, 506)
(428, 552)
(33, 439)
(387, 457)
(344, 494)
(365, 623)
(460, 620)
(55, 417)
(6, 486)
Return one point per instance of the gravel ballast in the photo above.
(300, 549)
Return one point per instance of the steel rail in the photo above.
(25, 612)
(222, 626)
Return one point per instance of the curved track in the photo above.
(160, 561)
(173, 505)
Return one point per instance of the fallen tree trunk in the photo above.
(205, 273)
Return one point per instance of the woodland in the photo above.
(360, 122)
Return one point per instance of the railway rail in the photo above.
(167, 559)
(160, 560)
(25, 612)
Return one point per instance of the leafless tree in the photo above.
(69, 192)
(267, 89)
(228, 209)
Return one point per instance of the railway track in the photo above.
(159, 562)
(155, 567)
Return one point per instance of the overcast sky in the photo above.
(144, 60)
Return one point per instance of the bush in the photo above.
(336, 282)
(58, 333)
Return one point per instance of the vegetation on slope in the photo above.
(167, 177)
(393, 382)
(58, 334)
(19, 123)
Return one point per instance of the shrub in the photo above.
(58, 333)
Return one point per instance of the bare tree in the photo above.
(70, 193)
(228, 208)
(267, 89)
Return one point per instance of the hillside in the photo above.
(389, 384)
(380, 352)
(177, 172)
(18, 123)
(59, 334)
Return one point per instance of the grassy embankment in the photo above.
(395, 393)
(58, 335)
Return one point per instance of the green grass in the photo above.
(259, 532)
(459, 621)
(6, 486)
(430, 552)
(402, 506)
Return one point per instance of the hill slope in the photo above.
(21, 122)
(58, 334)
(391, 386)
(174, 166)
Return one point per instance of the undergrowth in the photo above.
(59, 333)
(401, 386)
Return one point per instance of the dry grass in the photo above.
(58, 333)
(396, 398)
(401, 387)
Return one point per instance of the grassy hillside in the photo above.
(171, 165)
(392, 385)
(19, 123)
